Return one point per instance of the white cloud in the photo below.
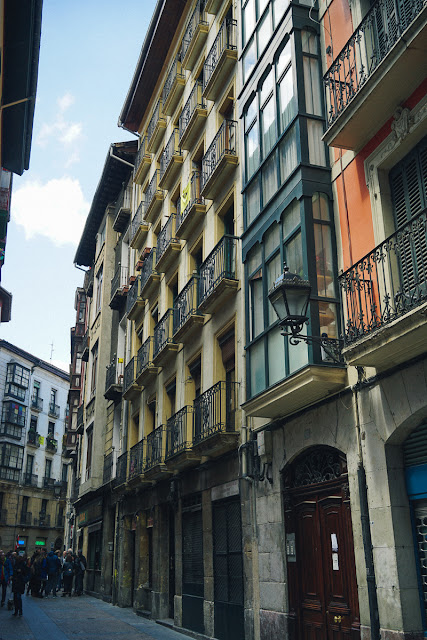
(65, 101)
(65, 131)
(56, 210)
(71, 133)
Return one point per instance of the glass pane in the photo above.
(252, 202)
(274, 269)
(298, 354)
(316, 147)
(312, 86)
(264, 32)
(253, 258)
(328, 319)
(268, 122)
(324, 265)
(252, 150)
(256, 307)
(272, 239)
(261, 6)
(284, 59)
(267, 88)
(291, 218)
(279, 10)
(250, 114)
(309, 42)
(257, 367)
(288, 155)
(276, 356)
(320, 206)
(248, 20)
(269, 179)
(249, 60)
(293, 256)
(287, 101)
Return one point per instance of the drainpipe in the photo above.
(129, 164)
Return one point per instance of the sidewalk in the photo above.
(83, 618)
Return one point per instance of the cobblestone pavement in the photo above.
(83, 618)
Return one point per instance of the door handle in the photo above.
(337, 619)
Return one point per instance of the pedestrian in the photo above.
(43, 573)
(67, 575)
(53, 570)
(19, 578)
(80, 565)
(5, 575)
(36, 581)
(61, 562)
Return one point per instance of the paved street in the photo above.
(83, 618)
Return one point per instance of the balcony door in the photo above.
(192, 564)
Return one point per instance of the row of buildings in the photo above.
(242, 482)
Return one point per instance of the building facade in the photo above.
(33, 473)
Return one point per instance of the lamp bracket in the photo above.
(331, 346)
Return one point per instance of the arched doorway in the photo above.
(323, 595)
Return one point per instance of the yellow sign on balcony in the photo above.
(41, 439)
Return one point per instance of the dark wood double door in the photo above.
(321, 569)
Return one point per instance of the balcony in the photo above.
(142, 162)
(168, 246)
(193, 118)
(139, 228)
(114, 380)
(135, 303)
(108, 468)
(25, 519)
(85, 346)
(173, 87)
(179, 453)
(155, 457)
(53, 410)
(75, 490)
(121, 469)
(3, 516)
(10, 474)
(385, 300)
(220, 160)
(156, 128)
(154, 197)
(191, 208)
(51, 444)
(187, 319)
(36, 403)
(195, 36)
(80, 420)
(60, 522)
(31, 480)
(88, 282)
(136, 460)
(149, 277)
(33, 439)
(220, 60)
(146, 371)
(43, 520)
(14, 414)
(379, 67)
(119, 287)
(214, 419)
(213, 6)
(11, 430)
(217, 275)
(131, 389)
(122, 209)
(165, 347)
(170, 161)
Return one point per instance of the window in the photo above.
(36, 390)
(99, 278)
(64, 474)
(17, 380)
(257, 20)
(29, 465)
(94, 368)
(251, 139)
(33, 423)
(11, 461)
(89, 434)
(50, 428)
(48, 468)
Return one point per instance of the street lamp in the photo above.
(290, 296)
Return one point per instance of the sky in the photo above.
(88, 54)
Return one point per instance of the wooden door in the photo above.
(321, 569)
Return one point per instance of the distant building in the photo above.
(33, 473)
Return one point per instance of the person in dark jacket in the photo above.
(19, 578)
(53, 569)
(67, 575)
(80, 565)
(5, 575)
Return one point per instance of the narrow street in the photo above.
(85, 618)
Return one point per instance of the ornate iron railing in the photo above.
(152, 189)
(37, 403)
(220, 264)
(31, 479)
(163, 332)
(195, 101)
(224, 143)
(154, 450)
(133, 294)
(114, 374)
(154, 120)
(148, 267)
(33, 438)
(137, 220)
(119, 280)
(107, 471)
(121, 468)
(186, 303)
(214, 410)
(136, 460)
(43, 520)
(175, 72)
(193, 198)
(197, 17)
(124, 200)
(166, 236)
(140, 154)
(226, 39)
(388, 282)
(129, 374)
(51, 444)
(26, 518)
(53, 410)
(178, 430)
(380, 29)
(171, 149)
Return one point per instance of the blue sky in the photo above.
(89, 50)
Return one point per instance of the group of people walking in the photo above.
(42, 574)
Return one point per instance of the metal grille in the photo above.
(415, 447)
(421, 532)
(228, 563)
(192, 553)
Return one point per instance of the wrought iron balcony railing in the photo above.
(224, 143)
(195, 101)
(33, 438)
(193, 198)
(214, 411)
(137, 220)
(43, 520)
(26, 518)
(53, 410)
(157, 114)
(226, 39)
(186, 303)
(220, 264)
(48, 483)
(124, 200)
(154, 451)
(144, 356)
(178, 432)
(171, 149)
(148, 267)
(136, 460)
(129, 374)
(381, 28)
(166, 236)
(121, 469)
(51, 444)
(114, 374)
(152, 190)
(174, 72)
(140, 154)
(36, 403)
(197, 17)
(388, 282)
(108, 468)
(119, 280)
(163, 332)
(31, 480)
(12, 430)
